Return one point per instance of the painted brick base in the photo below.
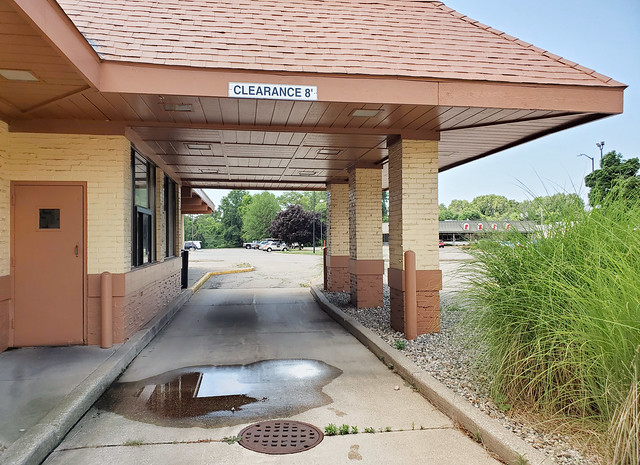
(145, 303)
(5, 295)
(365, 282)
(4, 325)
(428, 311)
(428, 284)
(338, 279)
(366, 290)
(138, 296)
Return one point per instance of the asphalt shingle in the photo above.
(408, 38)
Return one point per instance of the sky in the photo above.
(603, 36)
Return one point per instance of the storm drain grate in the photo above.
(280, 437)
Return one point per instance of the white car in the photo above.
(275, 245)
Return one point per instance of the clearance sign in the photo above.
(272, 91)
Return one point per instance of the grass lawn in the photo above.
(305, 251)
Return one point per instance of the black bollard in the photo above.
(184, 275)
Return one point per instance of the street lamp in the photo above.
(600, 145)
(591, 158)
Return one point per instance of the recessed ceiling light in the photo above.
(306, 173)
(209, 171)
(329, 152)
(17, 75)
(365, 113)
(197, 146)
(178, 107)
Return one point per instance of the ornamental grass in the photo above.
(558, 312)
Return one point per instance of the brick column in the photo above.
(413, 225)
(366, 266)
(338, 238)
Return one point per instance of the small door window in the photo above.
(49, 218)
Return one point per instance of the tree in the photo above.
(294, 225)
(385, 206)
(231, 220)
(551, 209)
(305, 200)
(613, 175)
(258, 215)
(491, 207)
(203, 228)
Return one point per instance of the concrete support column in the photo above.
(413, 225)
(338, 238)
(366, 266)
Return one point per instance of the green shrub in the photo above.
(559, 313)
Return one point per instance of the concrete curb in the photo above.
(40, 440)
(198, 284)
(495, 437)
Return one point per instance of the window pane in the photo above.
(170, 215)
(146, 238)
(141, 180)
(49, 218)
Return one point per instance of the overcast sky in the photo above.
(604, 36)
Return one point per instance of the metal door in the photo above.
(48, 264)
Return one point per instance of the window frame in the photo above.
(170, 202)
(139, 213)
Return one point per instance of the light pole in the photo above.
(314, 222)
(600, 145)
(591, 158)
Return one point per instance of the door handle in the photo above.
(76, 250)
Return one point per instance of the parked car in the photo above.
(275, 245)
(195, 245)
(441, 244)
(264, 242)
(251, 245)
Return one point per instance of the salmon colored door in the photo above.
(48, 252)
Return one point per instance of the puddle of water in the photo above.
(223, 395)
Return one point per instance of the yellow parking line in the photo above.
(206, 277)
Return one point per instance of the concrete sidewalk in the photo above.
(249, 330)
(44, 391)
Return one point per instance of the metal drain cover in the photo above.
(280, 437)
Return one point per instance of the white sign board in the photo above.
(272, 91)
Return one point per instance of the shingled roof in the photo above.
(406, 38)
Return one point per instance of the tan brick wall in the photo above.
(104, 163)
(413, 203)
(365, 214)
(338, 219)
(5, 211)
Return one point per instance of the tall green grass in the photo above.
(559, 315)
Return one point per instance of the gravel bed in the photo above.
(447, 358)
